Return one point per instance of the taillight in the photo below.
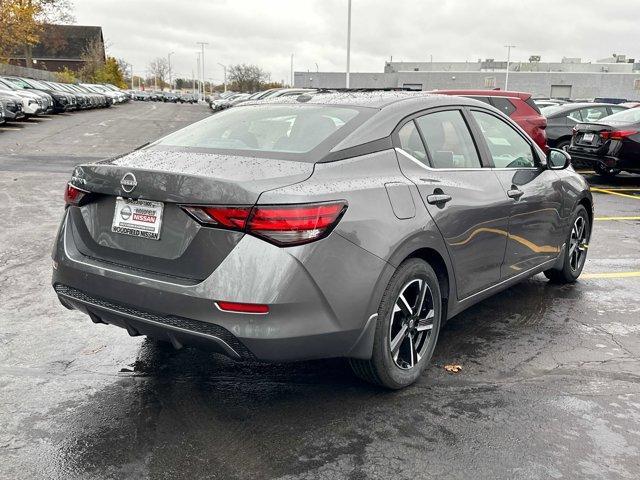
(283, 225)
(73, 195)
(617, 134)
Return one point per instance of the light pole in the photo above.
(506, 80)
(224, 67)
(291, 79)
(169, 61)
(198, 54)
(348, 43)
(202, 45)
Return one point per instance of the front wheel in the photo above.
(575, 253)
(409, 319)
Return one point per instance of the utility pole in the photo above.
(131, 66)
(202, 45)
(169, 61)
(506, 81)
(348, 43)
(224, 67)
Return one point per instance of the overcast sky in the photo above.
(266, 32)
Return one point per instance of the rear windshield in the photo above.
(625, 116)
(265, 128)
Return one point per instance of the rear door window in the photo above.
(411, 142)
(508, 148)
(448, 140)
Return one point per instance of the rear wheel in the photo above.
(409, 319)
(563, 144)
(603, 171)
(576, 251)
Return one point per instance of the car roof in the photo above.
(365, 99)
(486, 93)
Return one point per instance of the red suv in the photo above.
(516, 105)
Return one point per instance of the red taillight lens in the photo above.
(228, 217)
(284, 225)
(617, 134)
(73, 195)
(243, 307)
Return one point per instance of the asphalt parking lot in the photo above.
(549, 386)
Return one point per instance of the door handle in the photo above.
(438, 199)
(514, 193)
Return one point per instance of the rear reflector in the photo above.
(283, 225)
(73, 195)
(617, 134)
(243, 307)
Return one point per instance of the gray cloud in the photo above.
(267, 32)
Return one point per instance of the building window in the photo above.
(490, 82)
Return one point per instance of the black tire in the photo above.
(571, 269)
(604, 172)
(383, 368)
(561, 145)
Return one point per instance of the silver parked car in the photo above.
(328, 225)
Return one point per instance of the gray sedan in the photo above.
(326, 225)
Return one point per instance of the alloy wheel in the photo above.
(411, 324)
(577, 243)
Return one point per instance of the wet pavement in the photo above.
(550, 385)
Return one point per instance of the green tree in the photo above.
(110, 72)
(66, 76)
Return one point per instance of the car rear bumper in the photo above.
(585, 160)
(309, 317)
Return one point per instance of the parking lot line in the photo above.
(610, 275)
(611, 192)
(615, 218)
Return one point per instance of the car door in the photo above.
(437, 152)
(535, 194)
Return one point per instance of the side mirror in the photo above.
(558, 159)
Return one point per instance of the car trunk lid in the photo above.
(184, 248)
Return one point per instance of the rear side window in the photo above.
(449, 142)
(529, 101)
(264, 128)
(411, 142)
(504, 105)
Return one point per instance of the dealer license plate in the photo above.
(138, 218)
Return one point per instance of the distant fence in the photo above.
(7, 69)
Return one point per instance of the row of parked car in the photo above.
(603, 134)
(162, 96)
(25, 97)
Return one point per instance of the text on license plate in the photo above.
(138, 218)
(588, 137)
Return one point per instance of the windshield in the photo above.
(19, 83)
(38, 85)
(269, 128)
(625, 116)
(9, 85)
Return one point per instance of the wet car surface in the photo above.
(549, 385)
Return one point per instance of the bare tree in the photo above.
(247, 78)
(159, 68)
(93, 58)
